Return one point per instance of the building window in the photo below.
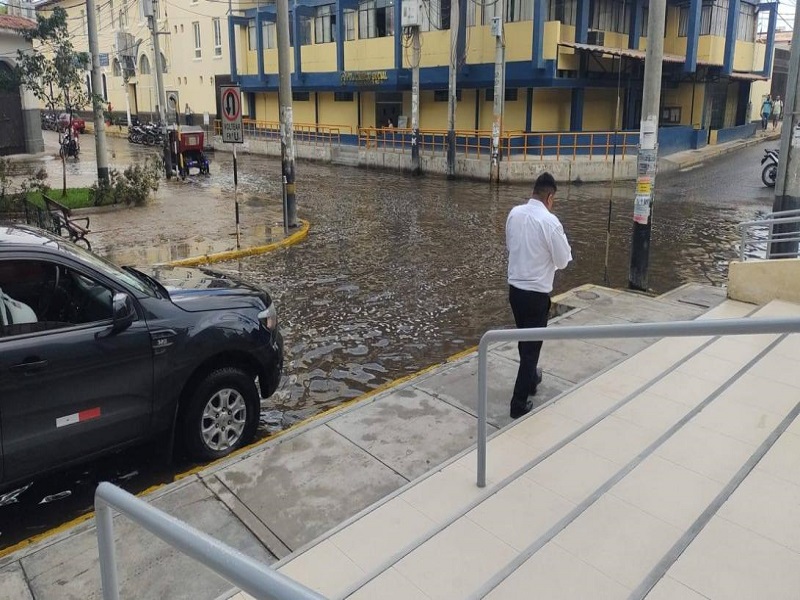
(565, 11)
(304, 30)
(217, 36)
(198, 49)
(349, 25)
(714, 17)
(442, 96)
(342, 96)
(301, 96)
(115, 68)
(431, 15)
(268, 33)
(610, 15)
(512, 95)
(144, 65)
(515, 10)
(375, 18)
(251, 34)
(645, 21)
(683, 21)
(747, 23)
(325, 24)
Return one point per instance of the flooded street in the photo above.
(398, 273)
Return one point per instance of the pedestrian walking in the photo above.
(777, 111)
(766, 111)
(537, 247)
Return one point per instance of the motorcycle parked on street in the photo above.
(70, 146)
(769, 174)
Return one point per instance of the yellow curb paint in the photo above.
(296, 237)
(195, 470)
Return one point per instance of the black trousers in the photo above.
(530, 309)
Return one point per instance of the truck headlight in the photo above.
(269, 317)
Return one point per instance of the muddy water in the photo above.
(398, 273)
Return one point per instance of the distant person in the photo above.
(766, 111)
(187, 113)
(537, 247)
(777, 111)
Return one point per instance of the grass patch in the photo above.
(75, 198)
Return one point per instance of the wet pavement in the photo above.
(398, 273)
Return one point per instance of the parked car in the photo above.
(94, 357)
(77, 123)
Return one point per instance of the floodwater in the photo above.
(399, 273)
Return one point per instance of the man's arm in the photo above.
(559, 246)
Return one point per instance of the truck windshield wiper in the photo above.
(151, 282)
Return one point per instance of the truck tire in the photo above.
(769, 174)
(221, 414)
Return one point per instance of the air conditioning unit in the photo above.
(412, 13)
(596, 38)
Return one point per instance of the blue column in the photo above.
(340, 33)
(398, 34)
(295, 25)
(537, 43)
(730, 36)
(770, 50)
(232, 49)
(635, 25)
(576, 110)
(529, 110)
(260, 45)
(693, 35)
(582, 22)
(461, 40)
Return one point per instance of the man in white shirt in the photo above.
(537, 247)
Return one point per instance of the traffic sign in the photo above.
(231, 101)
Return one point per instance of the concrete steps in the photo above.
(646, 481)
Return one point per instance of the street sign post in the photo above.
(233, 133)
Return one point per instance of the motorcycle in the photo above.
(770, 171)
(70, 146)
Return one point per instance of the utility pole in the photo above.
(416, 168)
(97, 84)
(787, 185)
(498, 22)
(287, 127)
(161, 94)
(452, 95)
(648, 147)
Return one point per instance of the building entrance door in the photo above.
(12, 134)
(388, 108)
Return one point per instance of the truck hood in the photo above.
(198, 290)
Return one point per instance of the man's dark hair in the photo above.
(544, 186)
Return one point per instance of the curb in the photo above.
(670, 165)
(296, 237)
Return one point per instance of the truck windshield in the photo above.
(107, 268)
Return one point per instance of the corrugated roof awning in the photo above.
(626, 52)
(748, 76)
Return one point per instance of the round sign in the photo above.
(231, 104)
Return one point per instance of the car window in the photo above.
(38, 295)
(107, 268)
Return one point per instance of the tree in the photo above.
(52, 70)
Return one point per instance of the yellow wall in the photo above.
(682, 97)
(552, 35)
(318, 57)
(435, 49)
(599, 109)
(743, 58)
(267, 106)
(731, 103)
(711, 48)
(304, 111)
(368, 55)
(433, 115)
(514, 114)
(368, 109)
(567, 57)
(551, 109)
(343, 114)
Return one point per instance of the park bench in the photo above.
(62, 216)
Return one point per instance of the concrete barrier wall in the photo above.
(736, 133)
(760, 281)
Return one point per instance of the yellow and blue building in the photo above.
(567, 63)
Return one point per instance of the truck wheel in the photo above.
(769, 174)
(221, 415)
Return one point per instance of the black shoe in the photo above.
(517, 412)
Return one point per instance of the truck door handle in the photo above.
(30, 366)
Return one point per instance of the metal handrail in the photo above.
(594, 332)
(787, 217)
(239, 569)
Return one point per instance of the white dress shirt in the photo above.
(537, 247)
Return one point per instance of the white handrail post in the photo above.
(105, 545)
(483, 393)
